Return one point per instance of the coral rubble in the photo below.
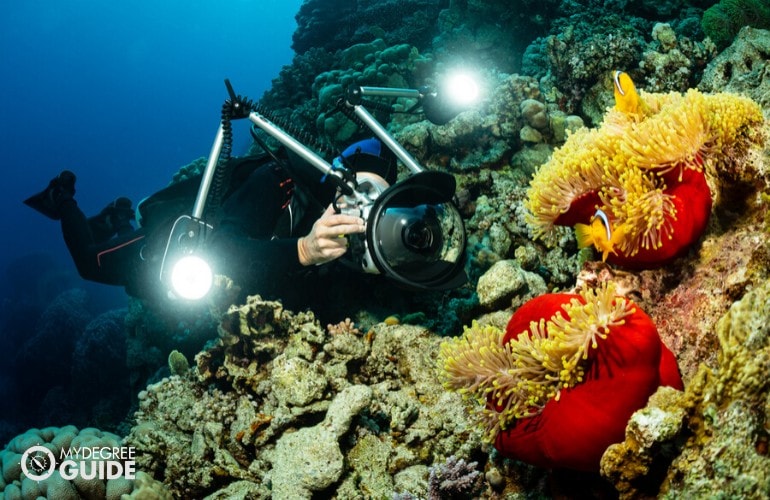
(366, 410)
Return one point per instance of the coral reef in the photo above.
(673, 62)
(57, 331)
(497, 230)
(360, 398)
(70, 368)
(722, 21)
(454, 479)
(742, 67)
(366, 408)
(177, 363)
(582, 47)
(336, 25)
(506, 284)
(556, 392)
(99, 389)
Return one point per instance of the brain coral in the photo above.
(646, 169)
(15, 485)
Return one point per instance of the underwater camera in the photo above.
(414, 233)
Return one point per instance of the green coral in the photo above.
(177, 363)
(722, 21)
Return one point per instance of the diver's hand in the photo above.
(326, 240)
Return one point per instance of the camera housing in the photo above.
(414, 233)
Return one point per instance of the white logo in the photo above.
(38, 463)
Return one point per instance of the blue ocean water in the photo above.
(121, 93)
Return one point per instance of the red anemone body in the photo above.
(691, 197)
(621, 374)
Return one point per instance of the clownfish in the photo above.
(626, 97)
(598, 233)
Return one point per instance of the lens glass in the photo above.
(420, 242)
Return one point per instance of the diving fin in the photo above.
(48, 201)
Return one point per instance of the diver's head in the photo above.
(371, 155)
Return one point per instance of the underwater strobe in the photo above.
(184, 267)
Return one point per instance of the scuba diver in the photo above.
(267, 222)
(278, 220)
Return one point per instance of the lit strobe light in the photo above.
(191, 277)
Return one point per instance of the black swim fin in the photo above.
(48, 201)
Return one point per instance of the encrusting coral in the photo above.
(559, 385)
(636, 188)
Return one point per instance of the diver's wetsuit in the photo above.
(243, 245)
(96, 261)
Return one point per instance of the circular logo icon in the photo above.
(38, 463)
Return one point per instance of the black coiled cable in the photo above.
(343, 107)
(236, 107)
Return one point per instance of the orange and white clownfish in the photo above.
(626, 97)
(599, 233)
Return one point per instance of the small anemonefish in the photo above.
(598, 233)
(626, 97)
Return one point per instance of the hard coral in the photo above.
(646, 169)
(560, 384)
(455, 479)
(721, 22)
(14, 482)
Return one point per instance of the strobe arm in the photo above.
(355, 95)
(348, 188)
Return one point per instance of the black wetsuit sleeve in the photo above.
(261, 266)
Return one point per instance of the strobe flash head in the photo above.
(184, 270)
(461, 89)
(454, 95)
(191, 277)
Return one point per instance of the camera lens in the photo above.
(418, 236)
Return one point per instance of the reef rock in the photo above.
(321, 462)
(714, 436)
(743, 67)
(506, 280)
(295, 410)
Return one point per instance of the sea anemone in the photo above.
(638, 167)
(565, 363)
